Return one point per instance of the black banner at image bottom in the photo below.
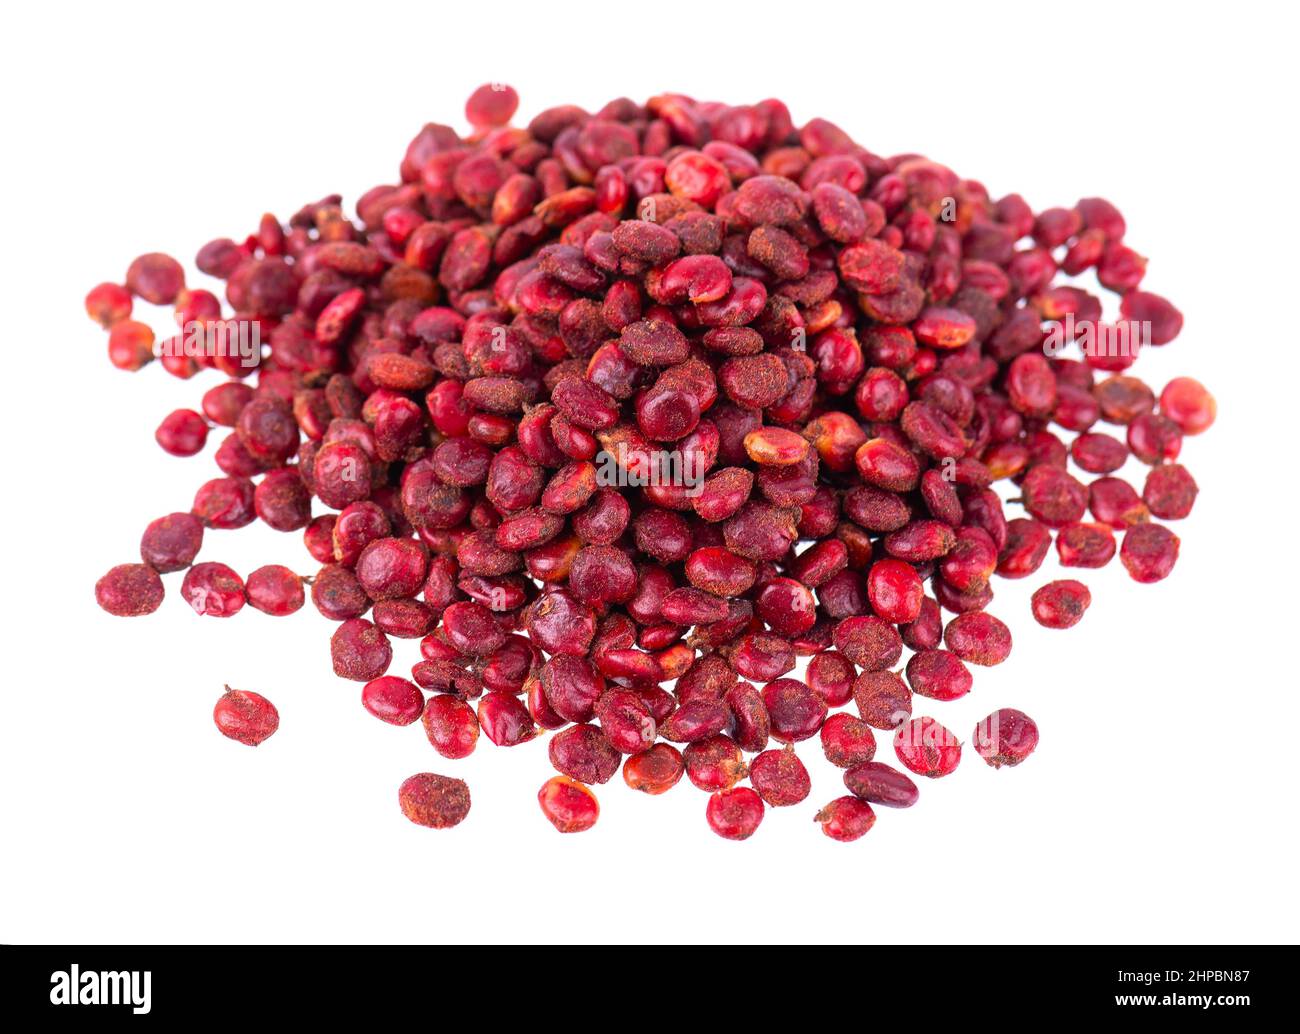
(132, 986)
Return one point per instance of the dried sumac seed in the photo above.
(438, 802)
(568, 805)
(1149, 552)
(846, 818)
(245, 716)
(927, 748)
(654, 771)
(1006, 737)
(878, 783)
(847, 741)
(1061, 604)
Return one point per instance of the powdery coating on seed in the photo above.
(868, 642)
(780, 778)
(436, 801)
(882, 699)
(1169, 492)
(245, 716)
(847, 741)
(130, 590)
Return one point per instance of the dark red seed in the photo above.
(882, 699)
(438, 802)
(171, 543)
(868, 642)
(878, 783)
(796, 712)
(360, 651)
(582, 752)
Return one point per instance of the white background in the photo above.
(1161, 804)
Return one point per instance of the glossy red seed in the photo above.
(275, 590)
(714, 763)
(182, 433)
(878, 783)
(214, 590)
(393, 699)
(654, 771)
(927, 748)
(846, 819)
(568, 805)
(451, 725)
(895, 591)
(1006, 737)
(830, 675)
(1186, 402)
(938, 674)
(735, 814)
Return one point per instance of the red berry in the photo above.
(245, 716)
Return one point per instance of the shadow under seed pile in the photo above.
(667, 395)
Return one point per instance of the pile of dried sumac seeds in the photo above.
(621, 414)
